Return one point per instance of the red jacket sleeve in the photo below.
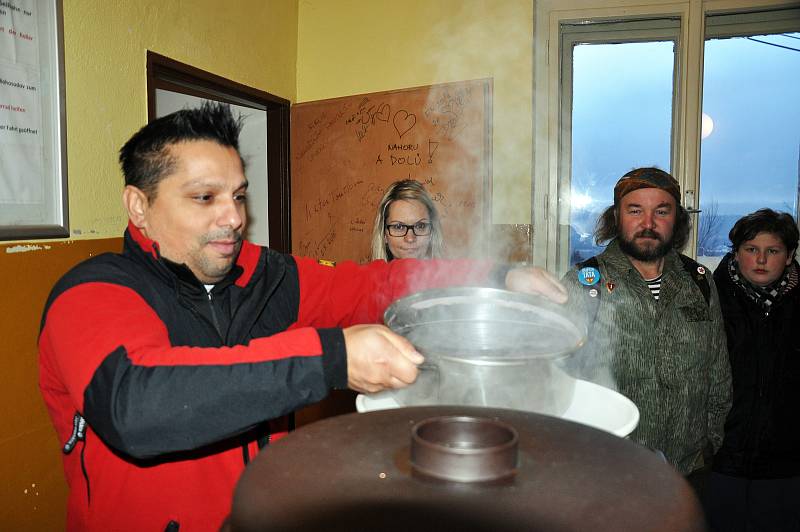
(106, 350)
(350, 294)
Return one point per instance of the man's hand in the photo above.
(378, 358)
(536, 281)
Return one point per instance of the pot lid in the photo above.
(485, 324)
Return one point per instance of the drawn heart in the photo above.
(383, 112)
(404, 122)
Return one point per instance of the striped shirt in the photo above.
(655, 286)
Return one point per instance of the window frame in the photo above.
(549, 15)
(613, 31)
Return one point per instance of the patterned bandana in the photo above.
(647, 178)
(764, 296)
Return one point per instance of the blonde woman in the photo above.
(407, 225)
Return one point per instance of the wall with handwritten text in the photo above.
(346, 151)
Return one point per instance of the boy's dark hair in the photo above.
(145, 158)
(780, 224)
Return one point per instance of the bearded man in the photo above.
(654, 322)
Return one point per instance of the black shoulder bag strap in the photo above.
(695, 271)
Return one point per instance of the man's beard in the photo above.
(651, 254)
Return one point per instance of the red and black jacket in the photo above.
(177, 389)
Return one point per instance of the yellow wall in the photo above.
(345, 47)
(249, 41)
(253, 42)
(350, 47)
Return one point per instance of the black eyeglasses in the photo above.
(419, 229)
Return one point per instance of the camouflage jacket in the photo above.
(669, 356)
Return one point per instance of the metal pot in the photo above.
(488, 347)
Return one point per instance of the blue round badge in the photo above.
(589, 276)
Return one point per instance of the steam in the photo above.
(487, 39)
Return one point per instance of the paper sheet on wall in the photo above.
(21, 144)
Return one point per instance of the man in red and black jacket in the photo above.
(167, 367)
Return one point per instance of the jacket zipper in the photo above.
(754, 429)
(196, 313)
(214, 316)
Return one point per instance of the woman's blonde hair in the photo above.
(407, 189)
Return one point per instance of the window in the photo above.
(626, 86)
(619, 110)
(750, 148)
